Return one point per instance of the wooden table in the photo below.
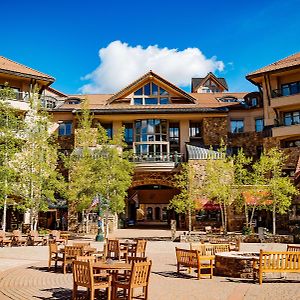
(86, 250)
(114, 266)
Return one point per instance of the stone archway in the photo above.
(153, 178)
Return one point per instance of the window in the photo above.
(195, 130)
(174, 136)
(108, 128)
(128, 134)
(151, 94)
(292, 118)
(65, 128)
(254, 101)
(237, 126)
(259, 125)
(290, 88)
(151, 137)
(291, 143)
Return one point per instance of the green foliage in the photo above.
(99, 170)
(38, 180)
(186, 182)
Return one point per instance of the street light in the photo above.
(99, 236)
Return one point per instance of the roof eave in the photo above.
(49, 79)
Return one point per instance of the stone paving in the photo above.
(24, 275)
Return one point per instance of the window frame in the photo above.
(237, 121)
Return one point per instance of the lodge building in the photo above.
(165, 126)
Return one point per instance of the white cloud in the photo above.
(120, 64)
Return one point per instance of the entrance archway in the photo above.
(147, 204)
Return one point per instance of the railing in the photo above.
(46, 101)
(286, 91)
(157, 157)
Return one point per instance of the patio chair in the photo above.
(56, 237)
(34, 239)
(82, 244)
(54, 255)
(18, 239)
(83, 276)
(4, 240)
(137, 278)
(139, 249)
(70, 254)
(114, 250)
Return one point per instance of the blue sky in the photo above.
(63, 38)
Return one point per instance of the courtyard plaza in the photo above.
(24, 274)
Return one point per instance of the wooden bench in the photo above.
(293, 248)
(194, 259)
(276, 262)
(210, 249)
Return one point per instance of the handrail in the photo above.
(157, 157)
(286, 91)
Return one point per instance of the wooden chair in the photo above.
(82, 244)
(86, 258)
(34, 239)
(194, 259)
(293, 248)
(54, 255)
(137, 278)
(114, 250)
(17, 238)
(70, 254)
(83, 276)
(139, 249)
(56, 237)
(4, 240)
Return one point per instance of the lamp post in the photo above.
(99, 236)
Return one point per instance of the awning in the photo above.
(198, 153)
(256, 198)
(206, 204)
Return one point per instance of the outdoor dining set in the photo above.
(119, 268)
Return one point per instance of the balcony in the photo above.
(286, 131)
(287, 95)
(21, 101)
(156, 161)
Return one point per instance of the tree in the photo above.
(10, 124)
(218, 183)
(38, 178)
(279, 187)
(98, 166)
(189, 187)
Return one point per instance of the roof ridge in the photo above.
(22, 65)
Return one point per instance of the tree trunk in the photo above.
(246, 215)
(225, 219)
(4, 213)
(190, 220)
(274, 219)
(252, 215)
(222, 215)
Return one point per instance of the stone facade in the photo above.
(249, 141)
(214, 130)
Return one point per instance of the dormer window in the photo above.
(73, 101)
(151, 94)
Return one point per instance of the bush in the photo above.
(247, 230)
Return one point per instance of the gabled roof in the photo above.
(150, 75)
(290, 61)
(11, 67)
(56, 92)
(197, 82)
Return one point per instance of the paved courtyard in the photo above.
(24, 275)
